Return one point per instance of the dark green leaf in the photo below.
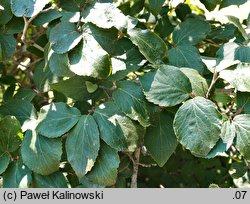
(243, 54)
(42, 155)
(7, 46)
(237, 170)
(160, 139)
(27, 8)
(46, 17)
(150, 45)
(167, 86)
(5, 12)
(82, 145)
(243, 101)
(17, 175)
(210, 4)
(43, 78)
(226, 3)
(64, 37)
(110, 130)
(74, 87)
(55, 180)
(4, 161)
(25, 94)
(218, 149)
(10, 134)
(237, 23)
(186, 56)
(130, 99)
(155, 5)
(56, 119)
(105, 171)
(198, 83)
(197, 125)
(192, 31)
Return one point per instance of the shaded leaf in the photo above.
(55, 180)
(17, 175)
(110, 130)
(64, 37)
(56, 119)
(7, 46)
(5, 12)
(130, 99)
(105, 170)
(42, 155)
(191, 31)
(186, 56)
(160, 139)
(10, 134)
(4, 161)
(198, 83)
(150, 45)
(155, 6)
(243, 101)
(82, 145)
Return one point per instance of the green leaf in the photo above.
(130, 99)
(25, 94)
(42, 155)
(5, 12)
(160, 139)
(242, 53)
(82, 145)
(186, 56)
(238, 78)
(74, 87)
(167, 86)
(105, 170)
(237, 23)
(56, 119)
(191, 31)
(4, 161)
(43, 78)
(210, 4)
(23, 110)
(89, 59)
(226, 3)
(7, 46)
(198, 83)
(64, 37)
(46, 17)
(218, 149)
(228, 132)
(15, 25)
(242, 125)
(110, 130)
(164, 27)
(226, 56)
(55, 180)
(27, 8)
(10, 134)
(105, 15)
(197, 125)
(150, 45)
(132, 131)
(59, 65)
(242, 101)
(17, 175)
(237, 170)
(155, 6)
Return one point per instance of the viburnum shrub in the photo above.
(101, 93)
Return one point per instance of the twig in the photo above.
(135, 168)
(215, 77)
(27, 23)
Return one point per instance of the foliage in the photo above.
(92, 90)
